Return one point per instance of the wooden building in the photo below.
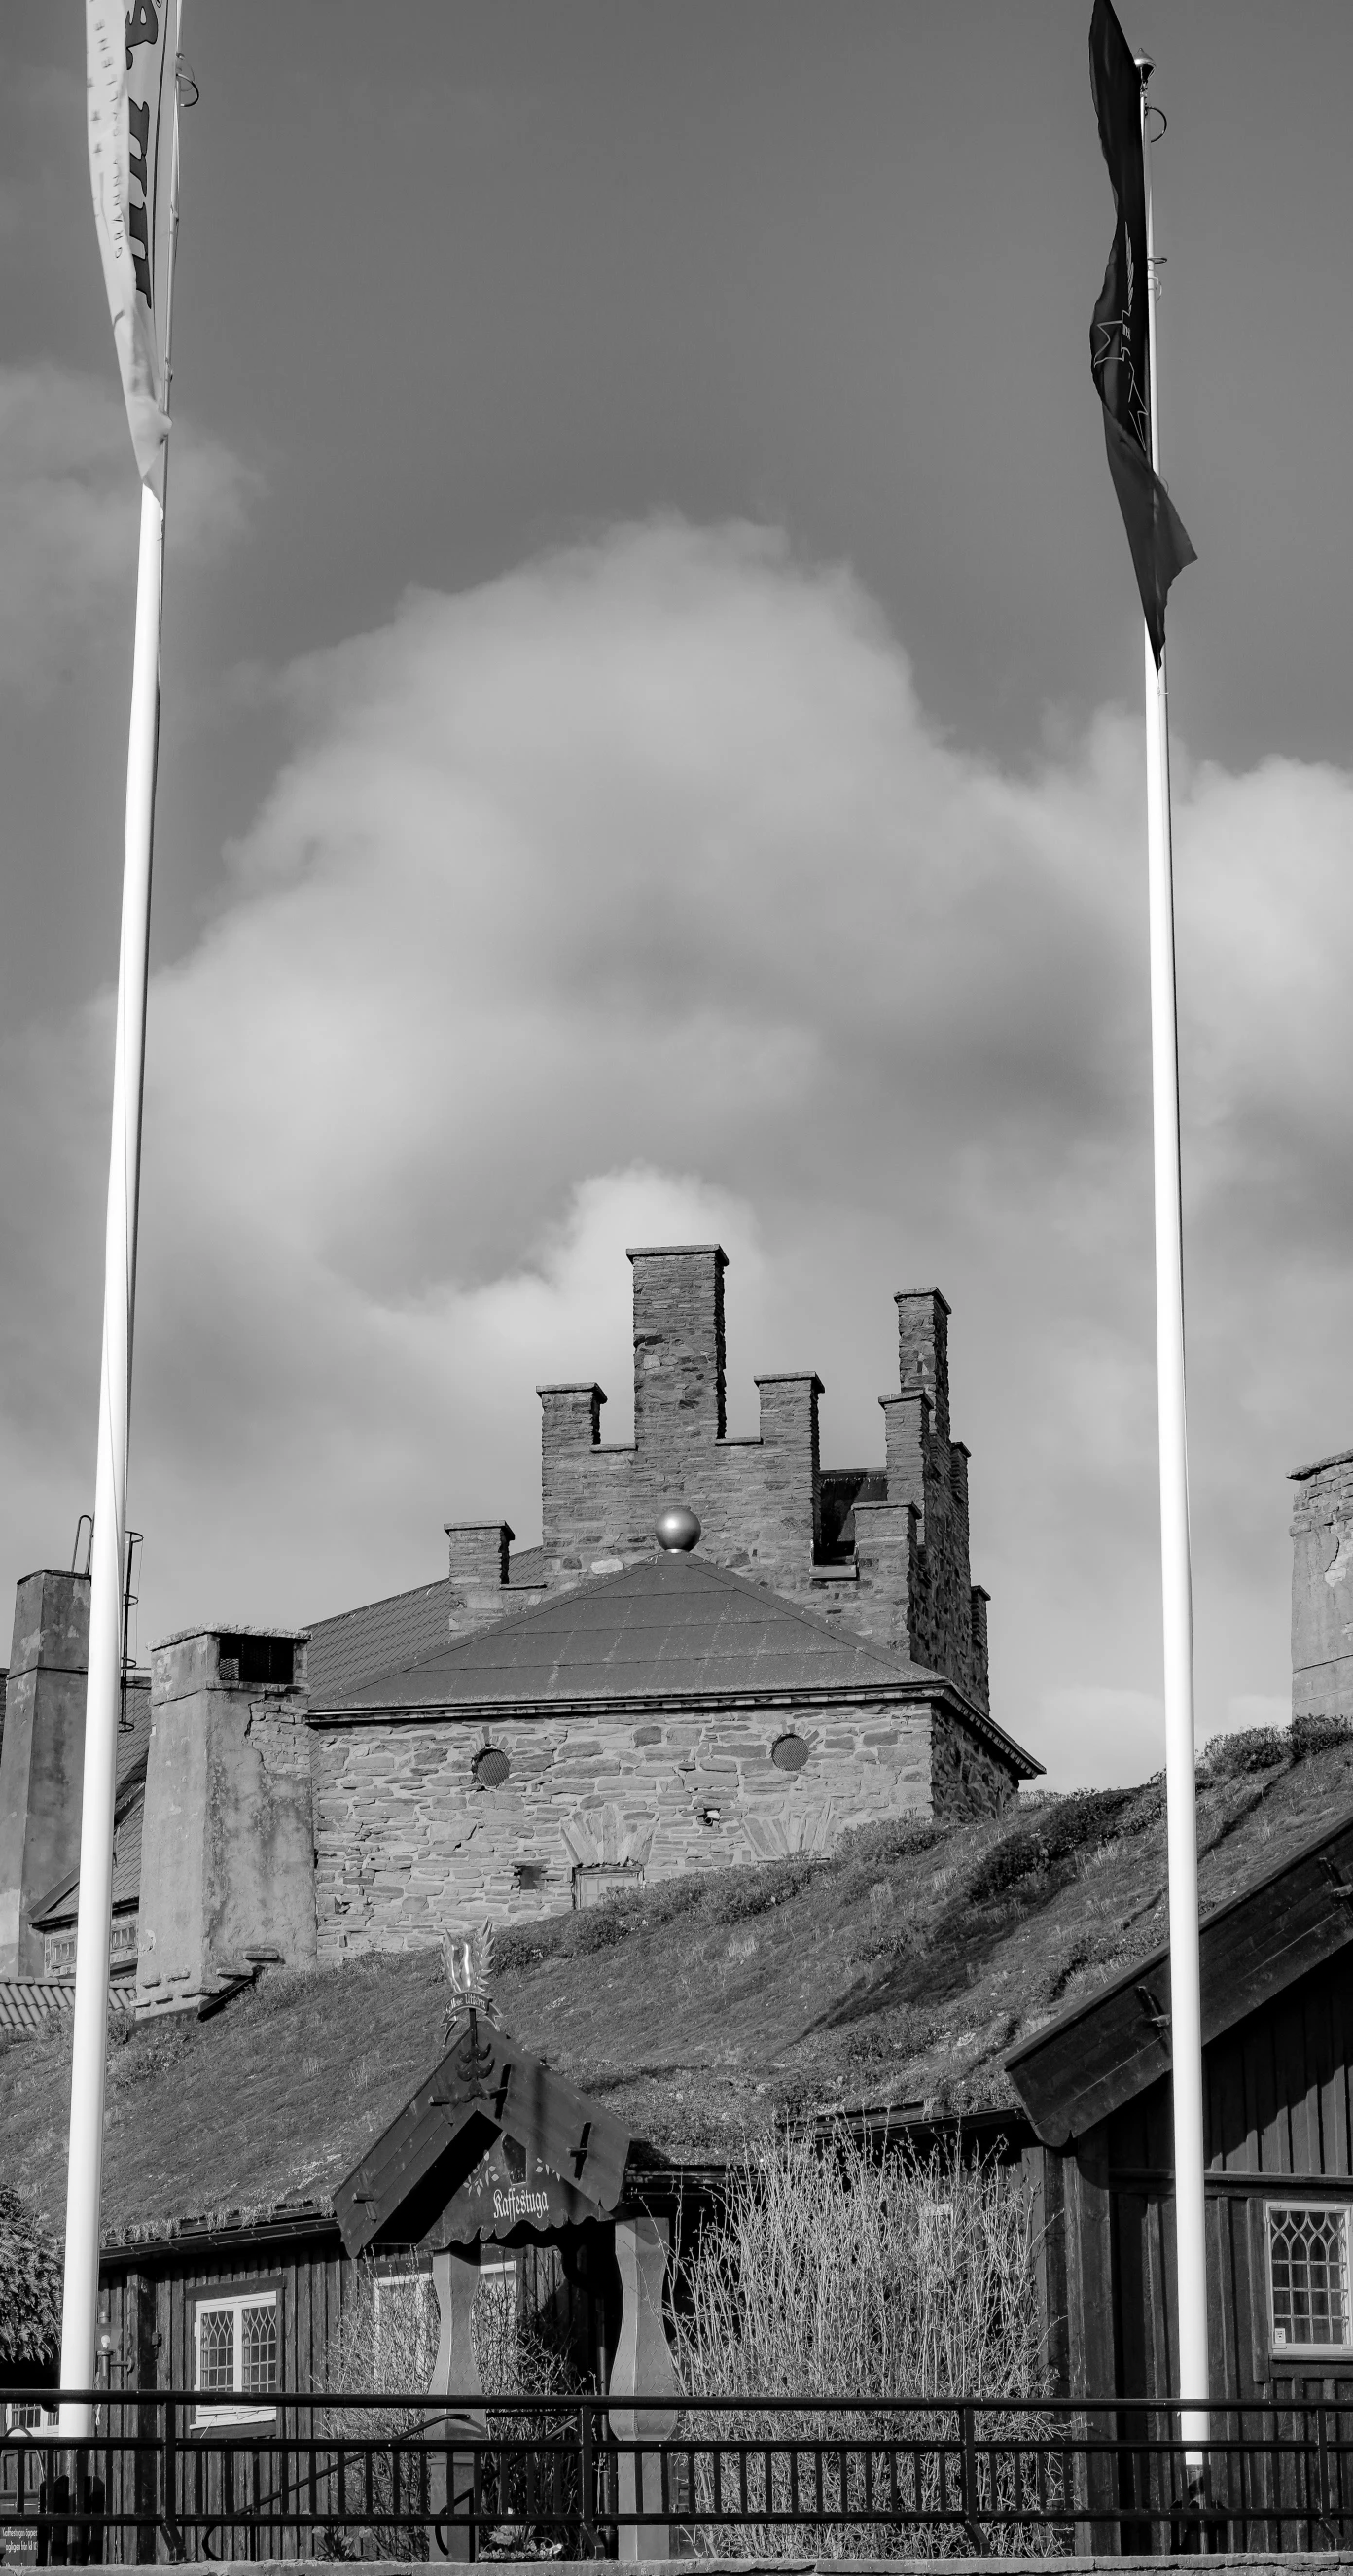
(1277, 1998)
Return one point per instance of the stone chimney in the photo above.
(42, 1756)
(916, 1591)
(477, 1563)
(678, 1350)
(227, 1873)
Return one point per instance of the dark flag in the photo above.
(1119, 356)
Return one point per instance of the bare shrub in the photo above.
(387, 2342)
(836, 2276)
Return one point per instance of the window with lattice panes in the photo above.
(1308, 2273)
(236, 2355)
(405, 2329)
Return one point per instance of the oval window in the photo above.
(491, 1767)
(789, 1753)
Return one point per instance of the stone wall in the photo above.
(967, 1777)
(408, 1843)
(1322, 1588)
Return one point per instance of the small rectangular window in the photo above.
(236, 2352)
(1308, 2271)
(595, 1881)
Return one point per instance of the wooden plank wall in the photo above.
(149, 2310)
(1277, 2104)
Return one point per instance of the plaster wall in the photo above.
(228, 1843)
(1322, 1591)
(42, 1756)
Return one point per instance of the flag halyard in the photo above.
(1119, 331)
(131, 56)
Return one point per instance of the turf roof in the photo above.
(899, 1972)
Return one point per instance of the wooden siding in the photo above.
(1277, 2110)
(148, 2297)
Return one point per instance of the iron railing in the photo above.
(392, 2476)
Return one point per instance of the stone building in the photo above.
(720, 1652)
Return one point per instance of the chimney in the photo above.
(678, 1350)
(478, 1568)
(478, 1555)
(42, 1756)
(923, 1350)
(570, 1429)
(227, 1872)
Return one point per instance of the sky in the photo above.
(652, 750)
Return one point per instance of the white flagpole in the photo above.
(84, 2175)
(1186, 2035)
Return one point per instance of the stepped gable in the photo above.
(675, 1625)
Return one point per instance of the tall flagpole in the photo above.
(1186, 2036)
(84, 2177)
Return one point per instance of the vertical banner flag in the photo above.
(131, 55)
(1119, 355)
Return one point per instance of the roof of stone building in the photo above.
(385, 1636)
(59, 1904)
(901, 1972)
(671, 1626)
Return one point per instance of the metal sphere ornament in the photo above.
(677, 1528)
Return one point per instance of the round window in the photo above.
(491, 1767)
(789, 1753)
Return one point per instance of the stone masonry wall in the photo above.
(1322, 1589)
(408, 1844)
(966, 1777)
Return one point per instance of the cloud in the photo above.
(69, 514)
(635, 892)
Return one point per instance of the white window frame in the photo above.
(1299, 2352)
(235, 2408)
(27, 2415)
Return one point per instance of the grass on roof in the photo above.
(900, 1971)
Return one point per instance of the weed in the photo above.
(1256, 1748)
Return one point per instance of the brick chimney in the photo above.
(477, 1563)
(678, 1349)
(42, 1756)
(227, 1871)
(916, 1589)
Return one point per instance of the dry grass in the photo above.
(837, 2276)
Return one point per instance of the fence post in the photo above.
(587, 2537)
(169, 2519)
(968, 2456)
(1323, 2467)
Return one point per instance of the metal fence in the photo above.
(436, 2477)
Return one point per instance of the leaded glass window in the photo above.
(1308, 2276)
(237, 2354)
